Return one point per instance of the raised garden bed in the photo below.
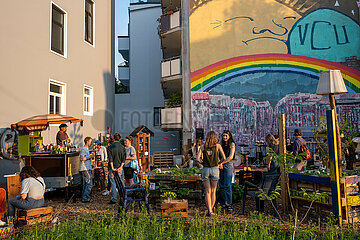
(349, 193)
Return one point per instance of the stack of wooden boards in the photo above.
(163, 160)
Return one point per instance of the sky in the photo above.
(121, 29)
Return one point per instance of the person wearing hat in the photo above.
(61, 137)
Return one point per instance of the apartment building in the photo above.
(57, 57)
(175, 67)
(139, 99)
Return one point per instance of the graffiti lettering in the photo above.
(325, 34)
(312, 36)
(317, 28)
(302, 36)
(337, 36)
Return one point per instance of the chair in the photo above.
(267, 184)
(125, 199)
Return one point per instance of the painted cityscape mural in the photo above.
(251, 60)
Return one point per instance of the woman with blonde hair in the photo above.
(210, 172)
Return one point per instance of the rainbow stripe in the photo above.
(208, 77)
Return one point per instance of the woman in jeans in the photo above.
(226, 173)
(31, 192)
(210, 172)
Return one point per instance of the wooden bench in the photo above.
(36, 215)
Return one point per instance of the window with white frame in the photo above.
(89, 21)
(58, 30)
(57, 96)
(88, 100)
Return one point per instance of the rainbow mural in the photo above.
(209, 77)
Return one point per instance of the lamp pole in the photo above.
(338, 141)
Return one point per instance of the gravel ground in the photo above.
(99, 205)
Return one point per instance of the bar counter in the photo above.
(58, 170)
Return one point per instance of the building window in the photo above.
(56, 97)
(89, 21)
(58, 30)
(157, 116)
(88, 100)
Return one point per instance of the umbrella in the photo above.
(41, 122)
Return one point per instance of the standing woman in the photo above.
(274, 145)
(31, 192)
(226, 173)
(195, 151)
(210, 172)
(130, 155)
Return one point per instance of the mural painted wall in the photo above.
(251, 60)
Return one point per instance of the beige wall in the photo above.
(27, 64)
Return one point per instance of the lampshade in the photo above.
(331, 82)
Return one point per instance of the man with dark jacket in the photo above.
(116, 155)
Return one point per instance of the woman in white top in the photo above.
(31, 192)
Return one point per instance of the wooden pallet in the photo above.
(35, 216)
(175, 208)
(163, 159)
(349, 194)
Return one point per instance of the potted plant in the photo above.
(175, 100)
(168, 196)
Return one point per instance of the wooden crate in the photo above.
(13, 185)
(163, 159)
(174, 208)
(35, 216)
(350, 198)
(349, 193)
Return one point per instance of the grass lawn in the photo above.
(144, 226)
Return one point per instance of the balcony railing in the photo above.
(124, 46)
(170, 21)
(144, 1)
(171, 67)
(171, 118)
(124, 73)
(123, 43)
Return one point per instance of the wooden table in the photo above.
(250, 173)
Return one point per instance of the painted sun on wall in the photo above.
(251, 60)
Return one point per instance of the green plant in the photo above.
(237, 192)
(175, 100)
(162, 187)
(145, 226)
(345, 127)
(168, 195)
(58, 150)
(184, 192)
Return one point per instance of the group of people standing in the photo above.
(216, 160)
(217, 167)
(119, 158)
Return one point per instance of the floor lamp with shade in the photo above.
(330, 83)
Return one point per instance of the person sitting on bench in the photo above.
(31, 192)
